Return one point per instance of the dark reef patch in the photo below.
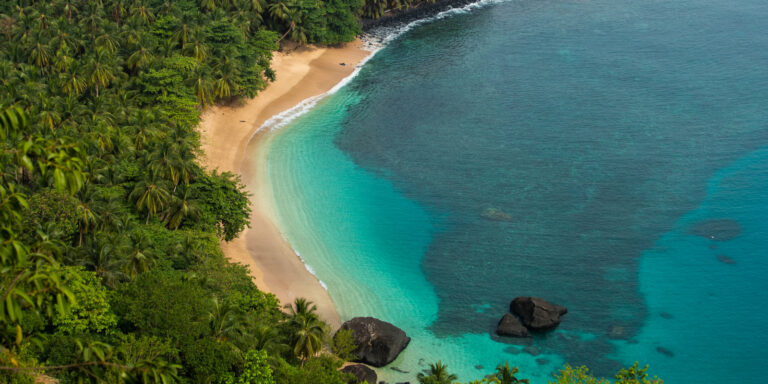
(725, 260)
(717, 229)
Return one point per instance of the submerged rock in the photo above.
(361, 372)
(531, 350)
(719, 229)
(726, 260)
(665, 352)
(509, 325)
(378, 342)
(495, 214)
(537, 314)
(617, 332)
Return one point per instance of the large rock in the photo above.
(537, 314)
(362, 373)
(509, 325)
(378, 342)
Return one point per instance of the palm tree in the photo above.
(142, 13)
(191, 250)
(87, 220)
(185, 165)
(112, 214)
(69, 9)
(150, 195)
(203, 90)
(162, 160)
(102, 72)
(224, 85)
(139, 58)
(267, 338)
(107, 42)
(223, 322)
(141, 258)
(40, 55)
(301, 308)
(196, 49)
(103, 257)
(72, 83)
(118, 11)
(208, 5)
(91, 21)
(179, 209)
(142, 121)
(278, 10)
(295, 28)
(47, 115)
(506, 375)
(307, 330)
(308, 335)
(374, 9)
(436, 374)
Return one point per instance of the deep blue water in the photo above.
(605, 130)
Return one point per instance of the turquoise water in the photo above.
(606, 131)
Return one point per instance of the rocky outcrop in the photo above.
(537, 314)
(509, 325)
(378, 342)
(362, 373)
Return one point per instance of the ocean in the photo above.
(609, 156)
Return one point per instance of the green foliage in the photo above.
(636, 375)
(506, 375)
(307, 330)
(436, 374)
(224, 204)
(256, 371)
(340, 22)
(52, 212)
(321, 369)
(581, 375)
(206, 360)
(165, 304)
(91, 312)
(344, 345)
(93, 361)
(31, 280)
(23, 358)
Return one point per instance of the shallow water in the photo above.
(603, 132)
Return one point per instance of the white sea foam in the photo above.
(309, 268)
(284, 118)
(379, 37)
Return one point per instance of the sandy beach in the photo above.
(231, 135)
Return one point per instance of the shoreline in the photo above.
(232, 141)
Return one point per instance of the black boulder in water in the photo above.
(537, 314)
(378, 342)
(509, 325)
